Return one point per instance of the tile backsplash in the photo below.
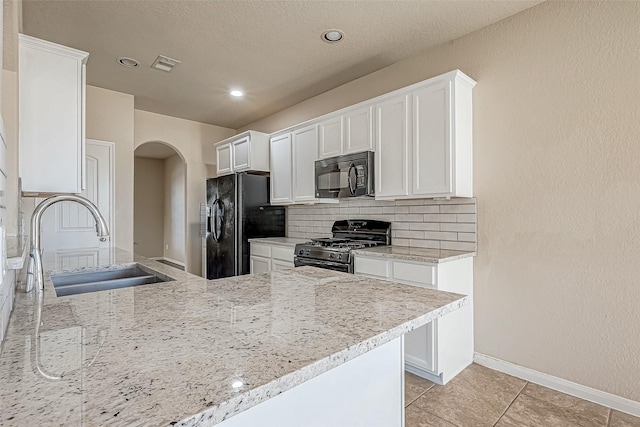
(422, 223)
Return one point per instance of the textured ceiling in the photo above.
(270, 49)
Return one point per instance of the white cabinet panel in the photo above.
(420, 347)
(241, 151)
(358, 130)
(392, 147)
(414, 273)
(371, 267)
(281, 166)
(223, 159)
(282, 253)
(247, 151)
(432, 140)
(259, 265)
(330, 137)
(261, 250)
(52, 113)
(305, 149)
(268, 257)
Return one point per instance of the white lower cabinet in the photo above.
(259, 265)
(441, 349)
(267, 257)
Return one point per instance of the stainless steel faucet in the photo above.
(35, 275)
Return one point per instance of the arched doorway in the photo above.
(159, 207)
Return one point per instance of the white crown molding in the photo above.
(58, 49)
(578, 390)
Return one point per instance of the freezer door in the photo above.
(221, 236)
(256, 218)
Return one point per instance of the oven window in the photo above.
(332, 181)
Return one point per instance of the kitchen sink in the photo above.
(101, 280)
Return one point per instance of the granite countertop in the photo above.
(414, 254)
(282, 241)
(171, 353)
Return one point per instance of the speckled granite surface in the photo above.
(171, 353)
(414, 254)
(282, 241)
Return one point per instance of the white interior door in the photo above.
(68, 228)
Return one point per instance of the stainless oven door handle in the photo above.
(298, 262)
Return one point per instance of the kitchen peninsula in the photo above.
(214, 352)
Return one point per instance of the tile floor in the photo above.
(479, 396)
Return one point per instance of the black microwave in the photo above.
(345, 176)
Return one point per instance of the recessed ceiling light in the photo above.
(237, 93)
(128, 62)
(332, 36)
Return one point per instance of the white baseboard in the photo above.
(578, 390)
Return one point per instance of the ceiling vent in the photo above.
(164, 63)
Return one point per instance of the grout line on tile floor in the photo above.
(411, 403)
(511, 403)
(609, 417)
(419, 396)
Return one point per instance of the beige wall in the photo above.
(557, 177)
(148, 197)
(192, 140)
(10, 119)
(174, 209)
(110, 118)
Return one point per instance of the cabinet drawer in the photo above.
(261, 250)
(418, 274)
(371, 267)
(282, 253)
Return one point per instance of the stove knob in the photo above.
(300, 252)
(340, 256)
(308, 251)
(330, 256)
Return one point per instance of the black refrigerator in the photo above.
(238, 209)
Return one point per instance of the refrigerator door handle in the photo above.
(218, 219)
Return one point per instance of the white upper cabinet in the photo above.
(421, 136)
(248, 151)
(438, 148)
(305, 148)
(350, 131)
(281, 166)
(358, 130)
(293, 156)
(330, 139)
(51, 116)
(223, 159)
(392, 147)
(432, 140)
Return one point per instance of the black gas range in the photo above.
(334, 252)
